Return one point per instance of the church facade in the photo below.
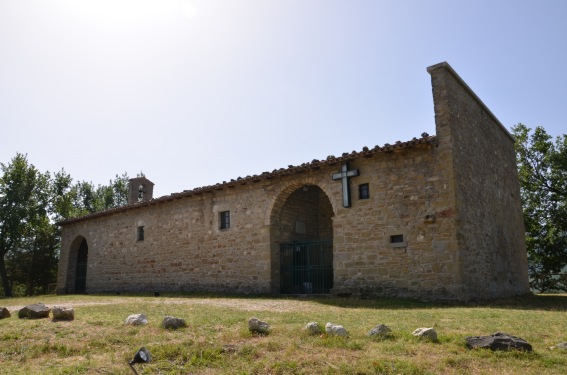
(438, 217)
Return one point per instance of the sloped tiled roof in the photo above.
(313, 165)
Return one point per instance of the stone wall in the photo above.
(306, 216)
(140, 189)
(184, 249)
(410, 196)
(491, 228)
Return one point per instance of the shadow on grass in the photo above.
(547, 302)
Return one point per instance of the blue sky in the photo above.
(198, 92)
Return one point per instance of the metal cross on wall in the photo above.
(343, 175)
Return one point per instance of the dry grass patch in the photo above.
(217, 340)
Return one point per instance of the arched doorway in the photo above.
(81, 268)
(303, 238)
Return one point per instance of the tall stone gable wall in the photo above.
(453, 239)
(490, 233)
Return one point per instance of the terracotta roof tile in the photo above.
(314, 164)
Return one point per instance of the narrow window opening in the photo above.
(141, 192)
(140, 232)
(363, 191)
(224, 220)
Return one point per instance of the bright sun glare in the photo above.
(189, 10)
(133, 11)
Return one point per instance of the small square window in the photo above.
(140, 233)
(224, 220)
(398, 240)
(363, 191)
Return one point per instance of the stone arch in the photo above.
(301, 223)
(77, 266)
(281, 197)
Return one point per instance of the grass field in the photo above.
(217, 340)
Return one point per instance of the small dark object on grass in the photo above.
(141, 356)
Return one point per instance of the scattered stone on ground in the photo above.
(379, 331)
(136, 320)
(498, 341)
(426, 333)
(170, 322)
(313, 328)
(335, 330)
(63, 313)
(4, 313)
(34, 311)
(255, 325)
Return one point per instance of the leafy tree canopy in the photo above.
(542, 170)
(31, 202)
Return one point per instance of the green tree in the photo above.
(62, 204)
(88, 199)
(33, 265)
(115, 194)
(23, 206)
(31, 203)
(542, 170)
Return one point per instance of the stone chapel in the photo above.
(437, 217)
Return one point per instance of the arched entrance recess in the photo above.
(302, 241)
(77, 269)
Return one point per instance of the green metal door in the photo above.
(306, 267)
